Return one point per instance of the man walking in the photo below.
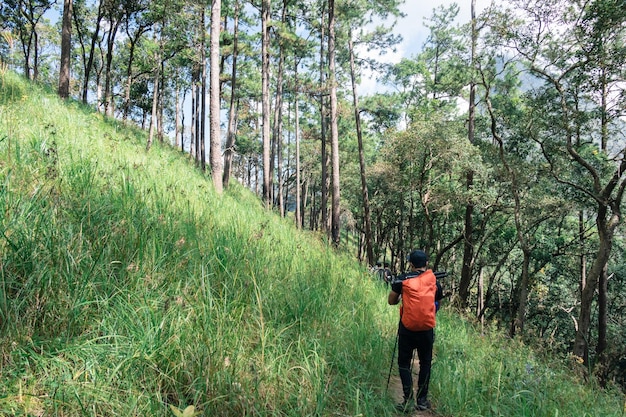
(418, 291)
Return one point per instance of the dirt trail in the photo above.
(395, 388)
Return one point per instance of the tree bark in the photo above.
(89, 64)
(277, 131)
(265, 68)
(367, 223)
(232, 113)
(201, 149)
(66, 49)
(215, 151)
(323, 128)
(299, 211)
(155, 95)
(334, 130)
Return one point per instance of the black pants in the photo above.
(407, 342)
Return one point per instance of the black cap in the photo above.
(418, 258)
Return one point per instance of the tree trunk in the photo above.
(468, 241)
(265, 68)
(522, 297)
(602, 314)
(602, 284)
(367, 224)
(334, 130)
(108, 99)
(217, 169)
(232, 113)
(299, 220)
(92, 51)
(277, 131)
(195, 116)
(201, 149)
(177, 114)
(606, 229)
(155, 95)
(66, 46)
(323, 128)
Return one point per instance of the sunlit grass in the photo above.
(128, 286)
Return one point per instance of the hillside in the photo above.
(128, 287)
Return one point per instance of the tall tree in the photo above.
(359, 15)
(298, 213)
(232, 113)
(201, 151)
(265, 77)
(81, 16)
(367, 221)
(157, 54)
(114, 13)
(66, 46)
(136, 24)
(277, 130)
(217, 167)
(334, 130)
(468, 229)
(24, 17)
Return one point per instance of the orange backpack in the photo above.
(417, 312)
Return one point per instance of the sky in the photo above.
(414, 33)
(412, 27)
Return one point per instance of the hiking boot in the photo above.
(422, 404)
(404, 407)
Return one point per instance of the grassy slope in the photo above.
(127, 285)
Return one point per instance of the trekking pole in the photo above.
(393, 353)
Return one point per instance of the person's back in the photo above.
(419, 293)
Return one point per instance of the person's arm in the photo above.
(439, 293)
(393, 298)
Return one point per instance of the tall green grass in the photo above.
(483, 373)
(128, 287)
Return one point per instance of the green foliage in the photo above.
(128, 287)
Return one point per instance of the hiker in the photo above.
(418, 291)
(383, 272)
(387, 274)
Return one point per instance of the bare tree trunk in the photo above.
(177, 114)
(367, 223)
(201, 149)
(195, 123)
(182, 124)
(155, 95)
(265, 68)
(108, 99)
(89, 64)
(217, 168)
(323, 128)
(334, 130)
(66, 46)
(133, 39)
(297, 139)
(278, 118)
(522, 297)
(232, 113)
